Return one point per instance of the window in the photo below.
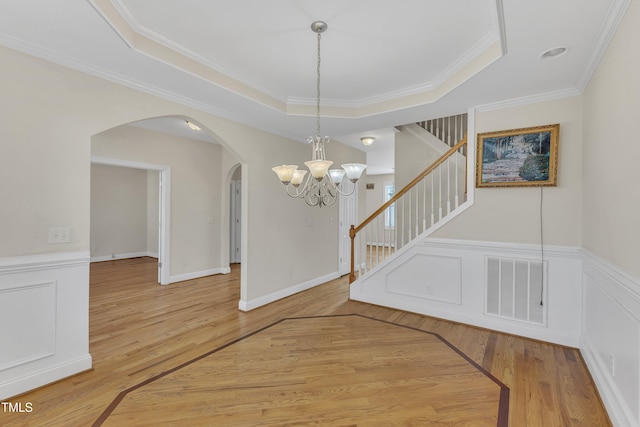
(390, 213)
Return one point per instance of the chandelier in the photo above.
(322, 186)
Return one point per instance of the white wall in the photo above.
(153, 210)
(611, 230)
(118, 212)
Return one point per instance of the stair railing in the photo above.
(448, 129)
(421, 204)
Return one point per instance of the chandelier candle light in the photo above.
(322, 185)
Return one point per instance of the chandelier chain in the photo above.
(318, 91)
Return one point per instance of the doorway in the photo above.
(235, 217)
(164, 182)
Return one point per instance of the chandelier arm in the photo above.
(302, 189)
(337, 186)
(296, 191)
(345, 193)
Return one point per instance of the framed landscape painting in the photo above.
(525, 157)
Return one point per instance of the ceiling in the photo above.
(384, 63)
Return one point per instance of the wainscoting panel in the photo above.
(610, 341)
(427, 276)
(44, 313)
(451, 279)
(33, 324)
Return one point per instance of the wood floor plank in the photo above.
(139, 330)
(298, 372)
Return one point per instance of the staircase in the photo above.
(434, 197)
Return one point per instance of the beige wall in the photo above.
(412, 157)
(48, 115)
(375, 197)
(118, 211)
(611, 153)
(513, 214)
(196, 192)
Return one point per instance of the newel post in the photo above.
(352, 235)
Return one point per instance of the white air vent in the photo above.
(516, 289)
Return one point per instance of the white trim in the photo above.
(198, 274)
(471, 155)
(605, 35)
(527, 100)
(283, 293)
(164, 234)
(493, 323)
(623, 292)
(521, 249)
(622, 279)
(19, 264)
(110, 161)
(45, 376)
(618, 412)
(420, 239)
(124, 256)
(473, 53)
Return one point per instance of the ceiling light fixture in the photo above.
(193, 126)
(553, 53)
(322, 186)
(367, 140)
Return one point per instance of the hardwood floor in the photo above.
(139, 330)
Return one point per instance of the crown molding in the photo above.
(527, 100)
(605, 35)
(167, 51)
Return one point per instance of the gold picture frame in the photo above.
(526, 157)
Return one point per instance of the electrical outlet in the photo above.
(429, 290)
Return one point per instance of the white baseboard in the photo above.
(616, 335)
(198, 274)
(124, 256)
(45, 376)
(618, 412)
(283, 293)
(481, 322)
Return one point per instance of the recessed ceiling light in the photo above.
(553, 53)
(193, 126)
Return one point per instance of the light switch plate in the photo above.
(59, 234)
